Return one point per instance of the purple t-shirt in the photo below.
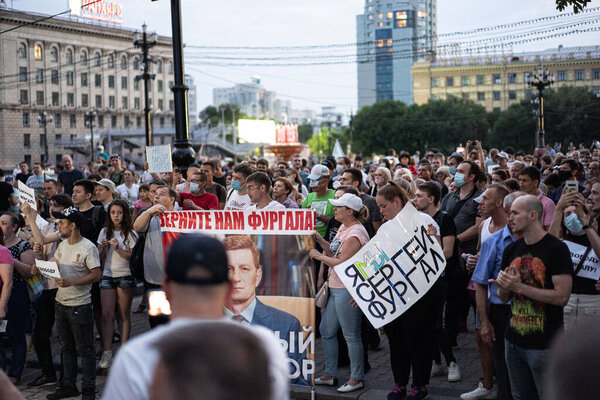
(5, 258)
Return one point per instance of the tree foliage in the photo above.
(578, 5)
(214, 114)
(305, 132)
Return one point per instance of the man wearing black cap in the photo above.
(197, 287)
(79, 266)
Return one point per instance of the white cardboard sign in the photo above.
(48, 269)
(394, 269)
(591, 266)
(159, 158)
(27, 195)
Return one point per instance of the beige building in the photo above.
(496, 82)
(66, 68)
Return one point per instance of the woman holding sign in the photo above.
(410, 334)
(341, 310)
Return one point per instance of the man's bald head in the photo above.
(529, 203)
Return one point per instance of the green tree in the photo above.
(305, 132)
(214, 114)
(321, 143)
(377, 127)
(514, 127)
(578, 5)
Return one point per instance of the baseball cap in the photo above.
(318, 171)
(100, 147)
(503, 155)
(348, 200)
(107, 183)
(192, 250)
(478, 199)
(71, 213)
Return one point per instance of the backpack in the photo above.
(136, 261)
(96, 218)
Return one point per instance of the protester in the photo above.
(209, 169)
(49, 189)
(195, 196)
(129, 190)
(117, 175)
(143, 200)
(258, 187)
(36, 180)
(381, 177)
(103, 191)
(237, 198)
(6, 283)
(69, 175)
(23, 175)
(318, 199)
(282, 189)
(353, 177)
(529, 181)
(7, 194)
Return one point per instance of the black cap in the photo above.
(72, 214)
(192, 250)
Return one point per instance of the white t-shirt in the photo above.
(132, 373)
(115, 265)
(76, 260)
(237, 202)
(127, 194)
(272, 206)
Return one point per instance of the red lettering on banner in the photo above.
(174, 219)
(228, 221)
(289, 221)
(265, 220)
(309, 221)
(300, 220)
(207, 220)
(219, 220)
(280, 215)
(238, 220)
(272, 219)
(254, 220)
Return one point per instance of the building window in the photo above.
(496, 95)
(111, 101)
(98, 80)
(111, 61)
(111, 81)
(512, 95)
(512, 78)
(70, 76)
(97, 59)
(69, 56)
(100, 121)
(138, 121)
(72, 120)
(136, 63)
(39, 75)
(136, 84)
(27, 159)
(480, 79)
(171, 83)
(84, 100)
(22, 74)
(159, 68)
(57, 121)
(113, 121)
(159, 85)
(39, 97)
(53, 54)
(597, 90)
(42, 140)
(55, 99)
(26, 140)
(123, 82)
(54, 76)
(126, 121)
(124, 102)
(70, 99)
(480, 96)
(25, 120)
(497, 79)
(24, 97)
(136, 103)
(449, 96)
(465, 81)
(171, 105)
(22, 51)
(596, 74)
(123, 62)
(562, 75)
(83, 58)
(465, 96)
(528, 93)
(435, 82)
(38, 52)
(449, 81)
(98, 101)
(579, 74)
(160, 104)
(84, 79)
(170, 68)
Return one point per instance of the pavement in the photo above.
(378, 381)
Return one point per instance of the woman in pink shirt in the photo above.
(6, 280)
(341, 310)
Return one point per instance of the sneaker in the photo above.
(417, 394)
(437, 370)
(106, 360)
(41, 381)
(454, 372)
(63, 392)
(480, 393)
(397, 393)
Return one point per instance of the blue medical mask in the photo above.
(459, 179)
(235, 185)
(452, 170)
(193, 187)
(573, 224)
(313, 184)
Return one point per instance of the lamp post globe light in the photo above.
(540, 79)
(90, 116)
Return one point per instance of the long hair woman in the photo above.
(341, 310)
(6, 283)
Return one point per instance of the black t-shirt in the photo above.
(5, 191)
(219, 191)
(67, 179)
(447, 228)
(221, 181)
(23, 177)
(90, 229)
(533, 324)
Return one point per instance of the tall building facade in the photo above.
(66, 68)
(192, 100)
(497, 81)
(252, 98)
(391, 36)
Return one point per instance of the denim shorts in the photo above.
(123, 282)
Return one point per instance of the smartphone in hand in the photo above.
(571, 187)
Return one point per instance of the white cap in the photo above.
(107, 183)
(100, 147)
(503, 155)
(349, 200)
(318, 171)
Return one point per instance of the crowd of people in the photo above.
(517, 232)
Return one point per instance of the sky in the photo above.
(302, 22)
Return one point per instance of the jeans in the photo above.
(339, 313)
(581, 307)
(75, 327)
(499, 315)
(17, 315)
(43, 331)
(526, 370)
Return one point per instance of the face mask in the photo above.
(564, 175)
(193, 187)
(235, 185)
(339, 169)
(459, 179)
(528, 164)
(313, 184)
(452, 170)
(573, 224)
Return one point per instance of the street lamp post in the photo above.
(540, 79)
(90, 116)
(145, 44)
(44, 119)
